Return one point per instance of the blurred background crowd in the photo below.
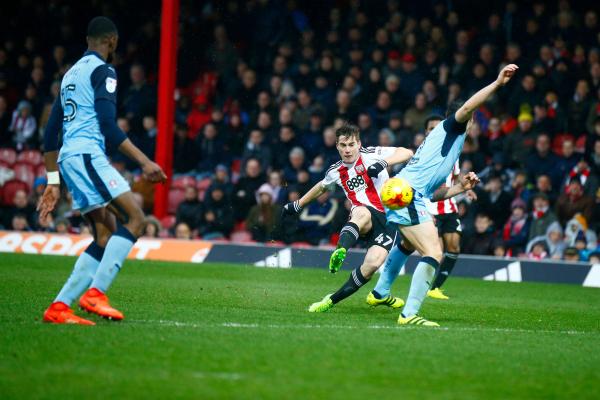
(263, 84)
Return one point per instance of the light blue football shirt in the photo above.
(435, 158)
(90, 79)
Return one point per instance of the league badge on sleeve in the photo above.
(111, 85)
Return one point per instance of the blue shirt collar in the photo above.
(94, 53)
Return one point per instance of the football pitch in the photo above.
(226, 331)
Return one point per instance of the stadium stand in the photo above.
(293, 71)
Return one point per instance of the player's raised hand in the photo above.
(291, 208)
(506, 73)
(469, 181)
(153, 172)
(374, 169)
(48, 201)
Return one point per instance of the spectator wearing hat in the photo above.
(542, 160)
(553, 240)
(572, 201)
(518, 144)
(541, 216)
(263, 217)
(516, 229)
(22, 126)
(221, 180)
(411, 79)
(578, 229)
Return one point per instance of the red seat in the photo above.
(183, 181)
(168, 221)
(32, 157)
(10, 188)
(203, 184)
(40, 170)
(241, 237)
(24, 172)
(176, 196)
(8, 155)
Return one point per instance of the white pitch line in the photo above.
(239, 325)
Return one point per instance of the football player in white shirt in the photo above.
(360, 173)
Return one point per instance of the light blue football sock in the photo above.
(391, 269)
(419, 285)
(118, 247)
(82, 275)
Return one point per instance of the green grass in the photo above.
(226, 331)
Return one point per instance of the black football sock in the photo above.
(354, 283)
(445, 269)
(348, 235)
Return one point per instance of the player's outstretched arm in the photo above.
(400, 155)
(295, 207)
(466, 111)
(467, 182)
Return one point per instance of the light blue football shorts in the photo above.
(92, 181)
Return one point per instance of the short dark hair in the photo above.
(101, 27)
(432, 117)
(348, 130)
(453, 107)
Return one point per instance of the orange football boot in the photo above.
(60, 313)
(94, 301)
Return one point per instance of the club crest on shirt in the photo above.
(359, 169)
(111, 85)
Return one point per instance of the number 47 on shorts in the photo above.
(384, 238)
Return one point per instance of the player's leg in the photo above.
(118, 247)
(358, 277)
(393, 264)
(359, 224)
(451, 242)
(420, 236)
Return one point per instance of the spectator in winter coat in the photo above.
(244, 193)
(574, 201)
(217, 220)
(553, 240)
(516, 229)
(22, 126)
(190, 209)
(542, 216)
(263, 218)
(482, 240)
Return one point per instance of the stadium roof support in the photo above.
(169, 29)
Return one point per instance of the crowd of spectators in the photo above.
(262, 85)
